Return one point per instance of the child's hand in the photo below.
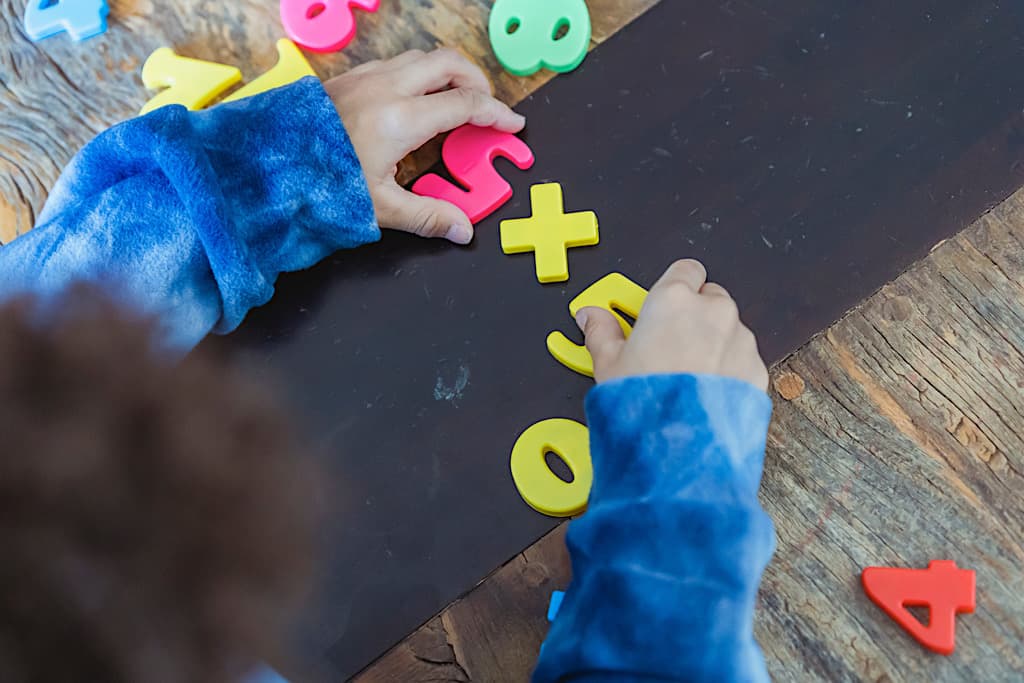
(686, 325)
(394, 107)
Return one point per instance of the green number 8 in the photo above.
(528, 35)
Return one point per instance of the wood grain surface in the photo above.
(55, 95)
(897, 439)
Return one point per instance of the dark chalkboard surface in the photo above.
(807, 152)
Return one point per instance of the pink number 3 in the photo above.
(322, 25)
(469, 153)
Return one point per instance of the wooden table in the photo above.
(895, 439)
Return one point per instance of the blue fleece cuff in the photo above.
(667, 558)
(701, 428)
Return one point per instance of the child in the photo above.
(193, 215)
(190, 217)
(154, 522)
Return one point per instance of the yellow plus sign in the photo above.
(549, 232)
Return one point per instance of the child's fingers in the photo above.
(407, 57)
(445, 111)
(604, 336)
(689, 272)
(715, 289)
(400, 209)
(439, 70)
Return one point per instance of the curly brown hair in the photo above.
(154, 518)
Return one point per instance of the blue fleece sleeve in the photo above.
(191, 216)
(667, 559)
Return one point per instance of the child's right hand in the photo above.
(686, 325)
(394, 107)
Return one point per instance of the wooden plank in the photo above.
(56, 95)
(896, 440)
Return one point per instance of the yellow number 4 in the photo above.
(195, 83)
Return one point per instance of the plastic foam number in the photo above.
(80, 18)
(555, 604)
(189, 82)
(528, 35)
(944, 588)
(541, 488)
(291, 66)
(322, 25)
(614, 292)
(469, 153)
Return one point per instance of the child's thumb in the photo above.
(424, 216)
(604, 337)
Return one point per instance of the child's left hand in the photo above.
(393, 107)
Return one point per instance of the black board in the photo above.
(807, 152)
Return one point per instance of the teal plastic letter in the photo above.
(528, 35)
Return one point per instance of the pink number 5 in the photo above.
(469, 153)
(322, 25)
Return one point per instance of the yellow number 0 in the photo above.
(537, 484)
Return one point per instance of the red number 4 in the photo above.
(943, 588)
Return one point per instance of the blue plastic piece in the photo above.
(555, 604)
(80, 18)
